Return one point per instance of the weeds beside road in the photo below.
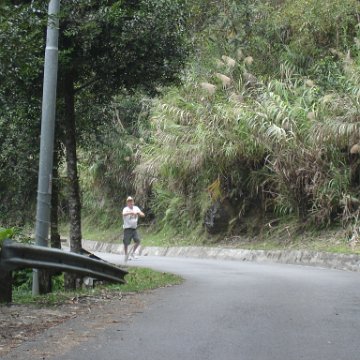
(30, 316)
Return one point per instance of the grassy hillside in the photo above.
(260, 141)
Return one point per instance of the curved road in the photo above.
(236, 310)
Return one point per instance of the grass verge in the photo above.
(138, 280)
(285, 236)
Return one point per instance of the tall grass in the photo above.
(266, 121)
(284, 145)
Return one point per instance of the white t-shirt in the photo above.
(130, 221)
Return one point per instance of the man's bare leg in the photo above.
(126, 252)
(133, 249)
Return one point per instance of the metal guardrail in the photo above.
(14, 256)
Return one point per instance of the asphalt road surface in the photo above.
(236, 310)
(225, 310)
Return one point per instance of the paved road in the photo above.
(235, 310)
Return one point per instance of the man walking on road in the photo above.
(131, 215)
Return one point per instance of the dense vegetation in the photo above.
(108, 48)
(265, 125)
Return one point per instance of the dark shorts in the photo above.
(130, 234)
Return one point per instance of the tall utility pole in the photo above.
(47, 133)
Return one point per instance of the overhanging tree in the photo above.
(107, 46)
(21, 38)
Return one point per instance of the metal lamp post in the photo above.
(47, 133)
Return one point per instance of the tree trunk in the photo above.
(54, 229)
(72, 174)
(5, 287)
(45, 284)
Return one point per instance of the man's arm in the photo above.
(139, 212)
(128, 212)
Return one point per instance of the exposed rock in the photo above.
(218, 216)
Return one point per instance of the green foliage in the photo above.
(19, 163)
(282, 144)
(197, 136)
(106, 48)
(22, 279)
(267, 115)
(111, 45)
(21, 40)
(108, 159)
(14, 233)
(6, 233)
(20, 65)
(138, 280)
(298, 32)
(141, 279)
(22, 286)
(313, 26)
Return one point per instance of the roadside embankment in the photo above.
(350, 262)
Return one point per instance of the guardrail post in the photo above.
(5, 286)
